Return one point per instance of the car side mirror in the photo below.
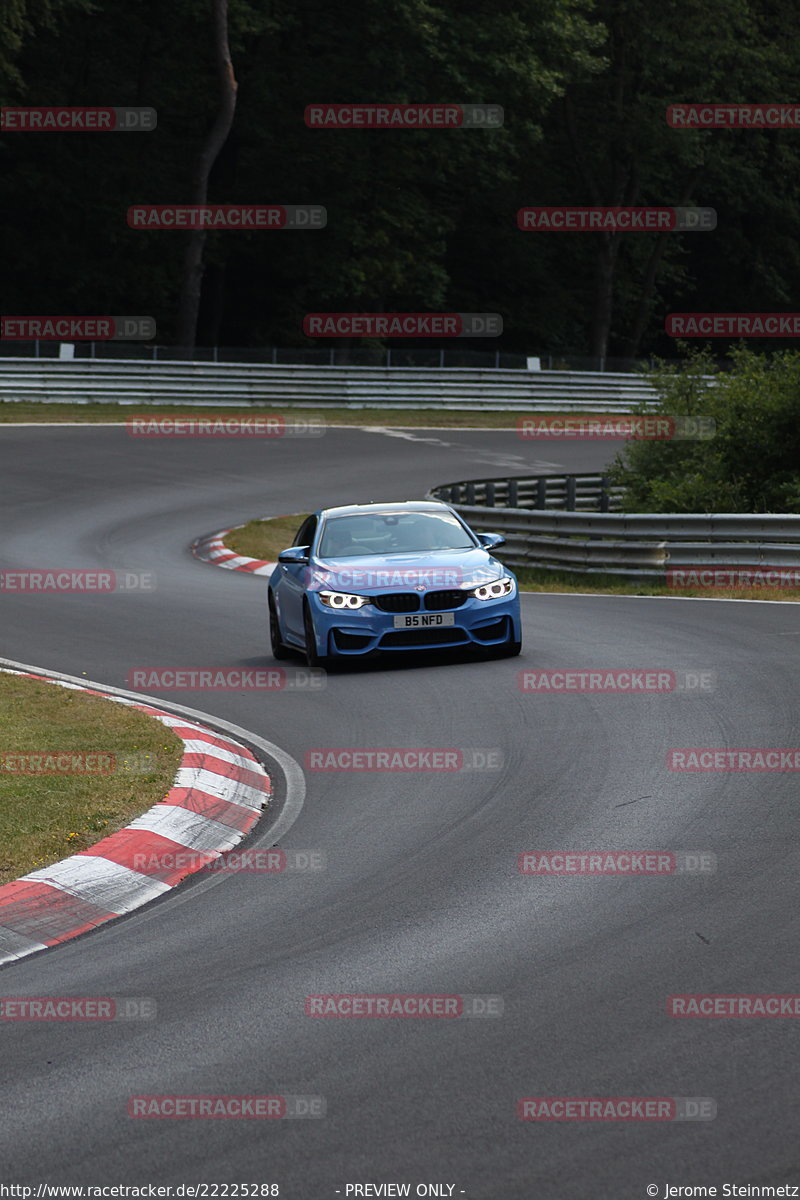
(490, 540)
(295, 554)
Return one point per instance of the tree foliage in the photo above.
(752, 464)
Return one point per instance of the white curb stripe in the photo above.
(219, 786)
(195, 746)
(99, 881)
(190, 829)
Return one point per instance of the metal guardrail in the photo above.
(570, 493)
(371, 355)
(85, 381)
(630, 545)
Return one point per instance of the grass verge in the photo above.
(444, 418)
(535, 579)
(45, 817)
(265, 539)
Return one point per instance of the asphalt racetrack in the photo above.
(421, 893)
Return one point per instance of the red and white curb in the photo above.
(212, 549)
(215, 800)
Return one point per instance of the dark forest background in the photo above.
(417, 221)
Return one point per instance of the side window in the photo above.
(305, 534)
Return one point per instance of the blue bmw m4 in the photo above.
(374, 578)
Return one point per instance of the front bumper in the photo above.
(368, 630)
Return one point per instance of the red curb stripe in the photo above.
(45, 914)
(202, 550)
(187, 734)
(129, 845)
(237, 816)
(218, 766)
(149, 710)
(252, 564)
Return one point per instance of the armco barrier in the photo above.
(122, 381)
(630, 545)
(572, 493)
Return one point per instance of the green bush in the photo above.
(752, 464)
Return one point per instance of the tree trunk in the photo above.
(193, 260)
(603, 306)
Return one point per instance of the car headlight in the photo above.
(343, 599)
(494, 591)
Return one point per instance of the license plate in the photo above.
(423, 620)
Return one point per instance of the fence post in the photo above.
(490, 494)
(470, 490)
(512, 493)
(604, 501)
(541, 492)
(455, 493)
(570, 499)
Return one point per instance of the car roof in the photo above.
(346, 510)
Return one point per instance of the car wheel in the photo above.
(509, 649)
(279, 648)
(312, 658)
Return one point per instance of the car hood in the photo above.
(373, 573)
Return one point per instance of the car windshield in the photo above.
(392, 533)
